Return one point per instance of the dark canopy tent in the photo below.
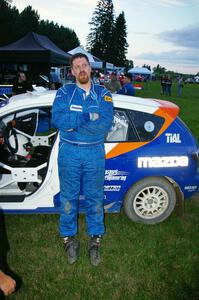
(37, 52)
(33, 48)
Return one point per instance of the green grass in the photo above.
(140, 262)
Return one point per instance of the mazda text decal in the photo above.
(163, 162)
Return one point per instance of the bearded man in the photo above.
(83, 113)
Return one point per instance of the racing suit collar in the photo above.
(82, 89)
(91, 92)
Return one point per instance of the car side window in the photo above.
(121, 128)
(32, 122)
(146, 125)
(26, 121)
(27, 137)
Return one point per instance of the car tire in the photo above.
(150, 200)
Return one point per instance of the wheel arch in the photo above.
(179, 207)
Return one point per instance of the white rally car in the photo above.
(151, 158)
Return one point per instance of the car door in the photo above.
(27, 139)
(130, 131)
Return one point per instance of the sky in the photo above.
(164, 32)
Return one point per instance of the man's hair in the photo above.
(78, 55)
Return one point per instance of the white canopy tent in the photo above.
(140, 71)
(96, 64)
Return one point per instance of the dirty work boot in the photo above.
(71, 246)
(94, 250)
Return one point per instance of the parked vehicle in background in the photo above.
(189, 80)
(196, 79)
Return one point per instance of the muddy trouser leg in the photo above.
(69, 175)
(93, 188)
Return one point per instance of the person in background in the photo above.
(7, 284)
(180, 85)
(21, 85)
(121, 79)
(83, 113)
(95, 77)
(9, 280)
(168, 86)
(55, 80)
(113, 85)
(127, 88)
(163, 84)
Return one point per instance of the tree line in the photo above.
(15, 25)
(107, 38)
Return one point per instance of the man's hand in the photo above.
(94, 116)
(7, 284)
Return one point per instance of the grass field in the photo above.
(140, 262)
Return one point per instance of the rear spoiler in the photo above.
(170, 108)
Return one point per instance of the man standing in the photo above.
(163, 84)
(83, 114)
(128, 88)
(113, 85)
(180, 85)
(168, 86)
(21, 85)
(55, 80)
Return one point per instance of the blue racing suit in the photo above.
(81, 158)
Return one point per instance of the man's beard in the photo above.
(83, 78)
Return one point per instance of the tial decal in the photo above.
(173, 138)
(163, 162)
(115, 175)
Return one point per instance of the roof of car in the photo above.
(42, 97)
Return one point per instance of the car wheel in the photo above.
(150, 200)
